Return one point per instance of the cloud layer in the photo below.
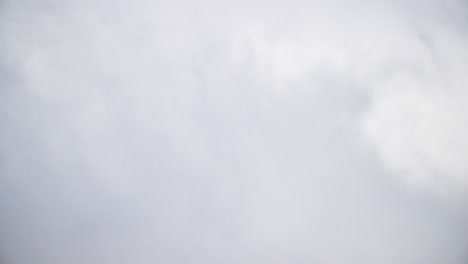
(249, 132)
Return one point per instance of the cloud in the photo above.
(232, 132)
(418, 116)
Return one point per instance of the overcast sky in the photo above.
(203, 131)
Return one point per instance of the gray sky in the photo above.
(233, 132)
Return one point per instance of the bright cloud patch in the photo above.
(418, 118)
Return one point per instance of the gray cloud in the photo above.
(233, 133)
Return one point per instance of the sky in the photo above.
(202, 131)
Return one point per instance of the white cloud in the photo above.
(231, 133)
(418, 118)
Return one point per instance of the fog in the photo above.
(233, 132)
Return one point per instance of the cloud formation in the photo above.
(247, 132)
